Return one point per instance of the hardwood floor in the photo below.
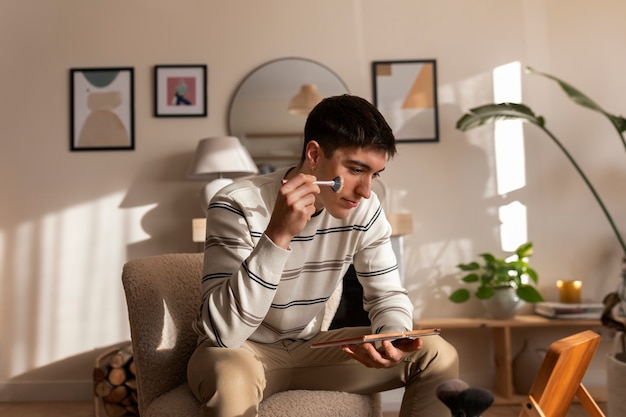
(45, 409)
(85, 409)
(576, 410)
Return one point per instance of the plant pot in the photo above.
(504, 304)
(615, 382)
(526, 365)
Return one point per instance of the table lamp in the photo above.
(218, 160)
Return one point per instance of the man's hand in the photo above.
(295, 204)
(388, 355)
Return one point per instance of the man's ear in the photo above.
(312, 154)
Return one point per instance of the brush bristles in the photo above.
(338, 184)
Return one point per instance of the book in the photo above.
(370, 338)
(556, 310)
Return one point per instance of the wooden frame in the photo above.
(102, 109)
(560, 378)
(405, 92)
(180, 91)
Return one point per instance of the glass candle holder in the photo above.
(569, 291)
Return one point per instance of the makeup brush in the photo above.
(335, 184)
(448, 393)
(474, 401)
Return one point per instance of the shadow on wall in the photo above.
(456, 216)
(163, 184)
(44, 384)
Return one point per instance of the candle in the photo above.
(569, 291)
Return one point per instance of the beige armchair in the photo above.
(162, 294)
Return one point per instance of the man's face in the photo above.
(358, 167)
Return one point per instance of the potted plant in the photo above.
(505, 281)
(493, 112)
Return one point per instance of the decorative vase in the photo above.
(504, 304)
(526, 365)
(621, 290)
(616, 378)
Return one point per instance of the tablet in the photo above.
(413, 334)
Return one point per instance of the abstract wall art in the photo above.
(101, 109)
(405, 92)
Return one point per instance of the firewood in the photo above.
(122, 357)
(132, 368)
(114, 410)
(116, 376)
(132, 409)
(103, 388)
(117, 395)
(131, 384)
(98, 375)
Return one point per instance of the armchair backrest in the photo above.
(162, 295)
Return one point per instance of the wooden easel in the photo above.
(559, 379)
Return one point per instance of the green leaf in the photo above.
(470, 278)
(525, 250)
(489, 113)
(579, 98)
(529, 294)
(473, 266)
(483, 293)
(459, 296)
(532, 274)
(489, 258)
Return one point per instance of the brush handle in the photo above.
(330, 183)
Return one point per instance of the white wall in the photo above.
(69, 220)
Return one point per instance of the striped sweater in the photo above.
(255, 290)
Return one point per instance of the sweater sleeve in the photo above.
(240, 276)
(384, 298)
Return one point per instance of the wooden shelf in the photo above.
(502, 345)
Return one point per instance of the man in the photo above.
(277, 247)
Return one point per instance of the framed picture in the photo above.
(102, 109)
(180, 91)
(405, 92)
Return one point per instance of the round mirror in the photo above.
(259, 112)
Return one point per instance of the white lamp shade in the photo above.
(221, 157)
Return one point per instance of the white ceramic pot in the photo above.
(504, 304)
(615, 383)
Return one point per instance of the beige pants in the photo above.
(232, 381)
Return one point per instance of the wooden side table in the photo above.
(502, 344)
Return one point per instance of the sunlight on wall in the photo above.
(513, 225)
(510, 157)
(66, 273)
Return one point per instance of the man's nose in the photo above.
(364, 188)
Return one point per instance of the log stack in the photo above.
(115, 387)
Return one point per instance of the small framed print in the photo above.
(101, 109)
(405, 92)
(180, 91)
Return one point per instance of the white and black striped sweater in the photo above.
(252, 289)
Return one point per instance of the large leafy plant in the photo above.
(499, 272)
(493, 112)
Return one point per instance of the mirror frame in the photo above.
(251, 74)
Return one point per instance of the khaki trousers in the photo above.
(233, 381)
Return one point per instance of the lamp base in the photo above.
(210, 189)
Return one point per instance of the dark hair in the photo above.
(348, 121)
